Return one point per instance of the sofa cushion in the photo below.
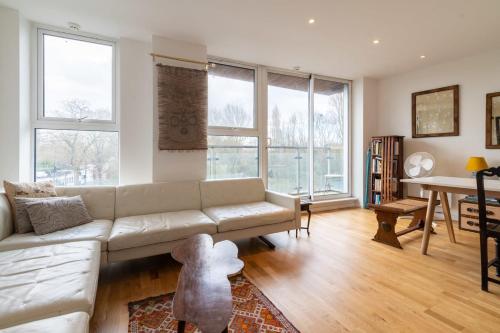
(49, 216)
(48, 281)
(135, 231)
(244, 216)
(99, 200)
(76, 322)
(231, 192)
(28, 190)
(95, 230)
(142, 199)
(22, 223)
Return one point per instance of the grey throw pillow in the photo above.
(22, 223)
(57, 214)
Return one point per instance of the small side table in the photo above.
(305, 205)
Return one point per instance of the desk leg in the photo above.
(447, 215)
(431, 205)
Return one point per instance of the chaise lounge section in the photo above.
(129, 222)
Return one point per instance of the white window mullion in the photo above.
(311, 138)
(262, 116)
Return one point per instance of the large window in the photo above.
(233, 141)
(231, 93)
(330, 144)
(290, 128)
(288, 133)
(75, 129)
(307, 130)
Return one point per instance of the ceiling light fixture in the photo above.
(422, 56)
(297, 68)
(311, 21)
(376, 41)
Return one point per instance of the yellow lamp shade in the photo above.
(475, 164)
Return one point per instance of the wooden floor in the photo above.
(337, 280)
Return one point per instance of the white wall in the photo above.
(477, 76)
(14, 96)
(136, 112)
(25, 82)
(364, 107)
(181, 165)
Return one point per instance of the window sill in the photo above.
(326, 205)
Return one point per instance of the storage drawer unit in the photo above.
(469, 214)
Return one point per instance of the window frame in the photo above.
(89, 124)
(238, 131)
(267, 142)
(38, 119)
(260, 129)
(347, 143)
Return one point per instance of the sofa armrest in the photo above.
(287, 201)
(6, 225)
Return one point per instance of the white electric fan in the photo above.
(418, 165)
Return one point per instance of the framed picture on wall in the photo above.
(493, 120)
(435, 112)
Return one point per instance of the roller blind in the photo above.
(232, 72)
(288, 81)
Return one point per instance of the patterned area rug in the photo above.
(252, 313)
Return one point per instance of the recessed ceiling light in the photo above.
(422, 56)
(376, 41)
(297, 68)
(311, 21)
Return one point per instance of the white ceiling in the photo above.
(276, 32)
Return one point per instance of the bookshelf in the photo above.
(386, 169)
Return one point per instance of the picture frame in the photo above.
(493, 120)
(435, 112)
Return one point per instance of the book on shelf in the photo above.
(377, 147)
(377, 185)
(377, 165)
(386, 169)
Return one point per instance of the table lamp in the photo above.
(475, 164)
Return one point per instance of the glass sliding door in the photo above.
(288, 134)
(330, 142)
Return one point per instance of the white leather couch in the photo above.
(48, 281)
(131, 221)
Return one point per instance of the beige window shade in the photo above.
(232, 72)
(288, 81)
(326, 87)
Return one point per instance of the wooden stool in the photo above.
(387, 217)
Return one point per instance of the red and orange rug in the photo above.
(252, 313)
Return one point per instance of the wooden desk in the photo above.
(443, 186)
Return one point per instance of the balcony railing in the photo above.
(288, 167)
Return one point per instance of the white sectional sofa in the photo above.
(130, 222)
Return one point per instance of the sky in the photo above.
(77, 70)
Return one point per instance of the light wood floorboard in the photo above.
(337, 280)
